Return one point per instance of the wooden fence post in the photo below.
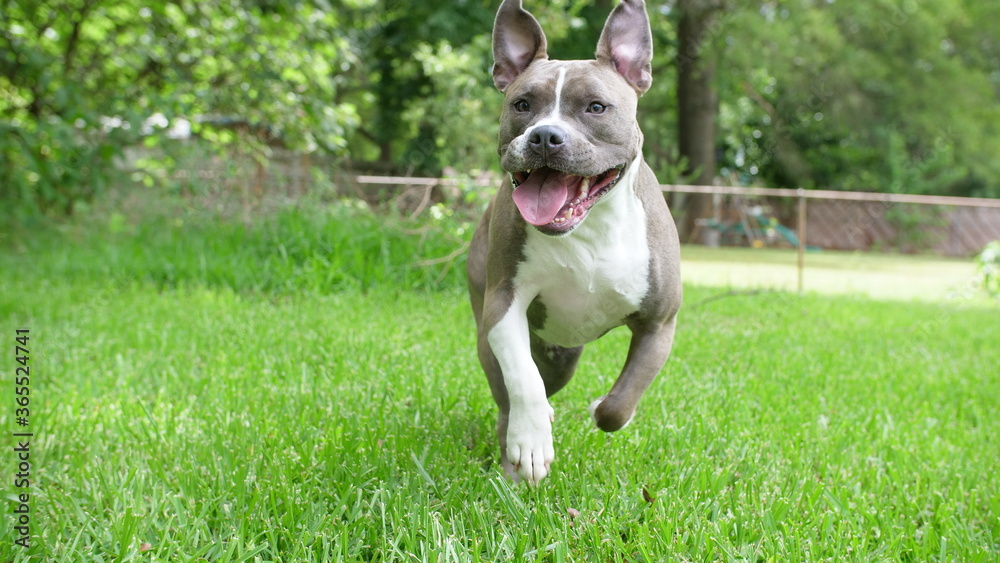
(802, 236)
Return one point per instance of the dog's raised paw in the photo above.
(592, 407)
(609, 422)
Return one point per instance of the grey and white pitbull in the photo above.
(578, 240)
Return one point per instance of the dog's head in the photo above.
(568, 128)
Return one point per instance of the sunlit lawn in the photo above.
(878, 275)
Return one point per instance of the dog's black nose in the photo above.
(546, 140)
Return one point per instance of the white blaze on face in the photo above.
(559, 86)
(555, 116)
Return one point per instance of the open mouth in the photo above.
(556, 202)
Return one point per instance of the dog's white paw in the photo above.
(592, 409)
(529, 441)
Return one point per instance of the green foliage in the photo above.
(933, 173)
(80, 81)
(989, 268)
(49, 166)
(392, 70)
(827, 80)
(462, 111)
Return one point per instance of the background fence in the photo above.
(833, 220)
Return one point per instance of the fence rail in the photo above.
(738, 190)
(837, 195)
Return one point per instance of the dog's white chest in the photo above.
(590, 280)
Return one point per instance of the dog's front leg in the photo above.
(648, 351)
(529, 421)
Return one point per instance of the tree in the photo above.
(697, 101)
(390, 75)
(80, 79)
(841, 95)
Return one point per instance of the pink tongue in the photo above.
(543, 195)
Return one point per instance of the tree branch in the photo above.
(368, 135)
(74, 35)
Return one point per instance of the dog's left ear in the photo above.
(627, 43)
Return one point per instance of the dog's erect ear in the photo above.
(518, 41)
(627, 43)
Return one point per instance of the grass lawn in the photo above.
(878, 275)
(218, 426)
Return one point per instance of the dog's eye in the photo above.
(521, 106)
(596, 107)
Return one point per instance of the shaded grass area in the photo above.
(314, 247)
(306, 389)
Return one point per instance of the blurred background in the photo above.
(123, 122)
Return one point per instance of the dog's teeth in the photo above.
(584, 186)
(566, 216)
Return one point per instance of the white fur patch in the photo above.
(592, 278)
(559, 86)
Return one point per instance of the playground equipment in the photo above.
(753, 225)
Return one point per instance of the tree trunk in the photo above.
(697, 103)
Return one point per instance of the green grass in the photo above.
(319, 248)
(220, 422)
(878, 275)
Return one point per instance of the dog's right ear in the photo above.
(518, 41)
